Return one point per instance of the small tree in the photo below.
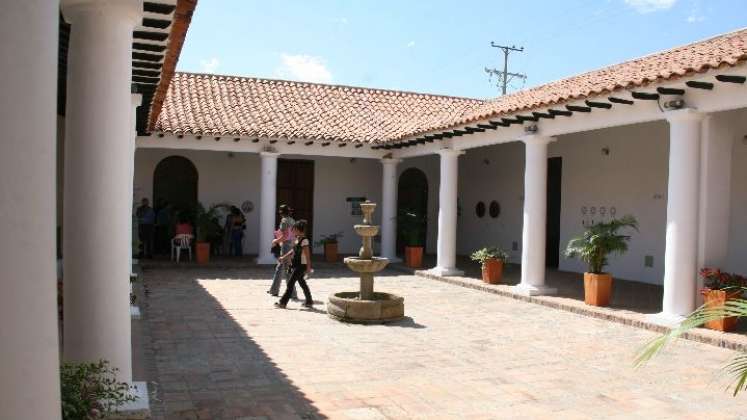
(207, 227)
(599, 241)
(411, 226)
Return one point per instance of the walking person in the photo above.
(146, 219)
(284, 240)
(300, 258)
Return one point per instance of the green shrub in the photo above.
(91, 391)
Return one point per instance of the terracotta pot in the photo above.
(330, 251)
(716, 298)
(597, 289)
(492, 271)
(414, 256)
(202, 251)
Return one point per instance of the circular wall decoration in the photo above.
(247, 206)
(495, 209)
(480, 209)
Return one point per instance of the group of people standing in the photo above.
(293, 251)
(157, 229)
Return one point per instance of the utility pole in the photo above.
(504, 77)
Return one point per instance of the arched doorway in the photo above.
(175, 191)
(412, 197)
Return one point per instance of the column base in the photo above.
(531, 290)
(665, 319)
(266, 260)
(446, 271)
(138, 409)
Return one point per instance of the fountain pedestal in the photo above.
(366, 306)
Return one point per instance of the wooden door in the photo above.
(554, 184)
(295, 188)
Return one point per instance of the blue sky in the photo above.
(440, 46)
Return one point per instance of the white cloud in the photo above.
(410, 44)
(648, 6)
(305, 68)
(210, 66)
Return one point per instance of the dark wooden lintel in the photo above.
(309, 143)
(141, 56)
(615, 100)
(159, 8)
(602, 105)
(273, 141)
(670, 91)
(460, 132)
(146, 65)
(543, 115)
(358, 146)
(148, 47)
(150, 35)
(728, 78)
(156, 23)
(498, 123)
(645, 96)
(325, 144)
(474, 130)
(342, 145)
(699, 85)
(524, 118)
(487, 126)
(560, 112)
(510, 121)
(578, 108)
(146, 73)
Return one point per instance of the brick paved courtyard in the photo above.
(219, 350)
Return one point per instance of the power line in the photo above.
(504, 77)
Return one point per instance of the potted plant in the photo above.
(491, 260)
(593, 248)
(719, 287)
(206, 230)
(329, 242)
(411, 226)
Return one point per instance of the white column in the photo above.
(447, 214)
(389, 209)
(718, 133)
(535, 217)
(267, 207)
(29, 365)
(97, 203)
(136, 100)
(680, 256)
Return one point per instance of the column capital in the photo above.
(129, 9)
(537, 139)
(269, 154)
(450, 152)
(390, 161)
(684, 114)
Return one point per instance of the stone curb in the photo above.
(728, 341)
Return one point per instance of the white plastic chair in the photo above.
(179, 242)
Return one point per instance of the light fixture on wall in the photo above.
(531, 129)
(606, 150)
(486, 161)
(674, 104)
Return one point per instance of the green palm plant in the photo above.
(599, 241)
(736, 368)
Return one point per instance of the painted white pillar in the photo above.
(680, 256)
(267, 207)
(447, 214)
(97, 205)
(535, 217)
(389, 209)
(29, 341)
(136, 100)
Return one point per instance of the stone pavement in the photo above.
(219, 350)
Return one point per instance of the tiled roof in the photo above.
(238, 106)
(241, 106)
(720, 51)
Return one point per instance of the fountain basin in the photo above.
(366, 231)
(361, 265)
(347, 307)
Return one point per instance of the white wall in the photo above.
(235, 180)
(632, 179)
(737, 259)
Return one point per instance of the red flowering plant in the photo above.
(715, 279)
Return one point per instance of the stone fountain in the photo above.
(366, 306)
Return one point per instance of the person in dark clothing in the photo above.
(300, 260)
(146, 218)
(238, 224)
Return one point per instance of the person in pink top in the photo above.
(184, 228)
